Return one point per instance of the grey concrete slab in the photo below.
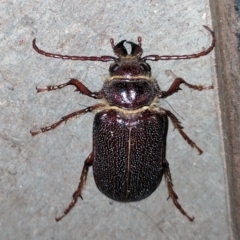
(39, 175)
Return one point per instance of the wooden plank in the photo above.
(226, 26)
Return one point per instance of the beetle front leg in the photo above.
(175, 87)
(78, 193)
(80, 87)
(172, 194)
(66, 118)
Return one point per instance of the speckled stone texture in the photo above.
(39, 174)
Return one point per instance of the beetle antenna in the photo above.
(185, 56)
(68, 57)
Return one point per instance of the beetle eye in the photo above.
(145, 67)
(114, 68)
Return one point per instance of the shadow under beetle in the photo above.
(129, 128)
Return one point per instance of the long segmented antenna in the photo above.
(67, 57)
(186, 56)
(120, 51)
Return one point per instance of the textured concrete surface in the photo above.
(38, 175)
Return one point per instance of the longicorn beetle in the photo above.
(129, 128)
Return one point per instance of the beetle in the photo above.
(129, 128)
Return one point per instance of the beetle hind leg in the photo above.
(78, 193)
(171, 192)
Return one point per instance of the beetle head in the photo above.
(129, 64)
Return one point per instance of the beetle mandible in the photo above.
(129, 128)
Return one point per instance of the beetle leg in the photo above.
(87, 163)
(67, 117)
(80, 88)
(179, 127)
(172, 194)
(175, 87)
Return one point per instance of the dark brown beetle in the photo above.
(129, 129)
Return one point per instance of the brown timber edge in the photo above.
(226, 26)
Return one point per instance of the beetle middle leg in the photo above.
(172, 194)
(66, 118)
(80, 87)
(78, 192)
(179, 127)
